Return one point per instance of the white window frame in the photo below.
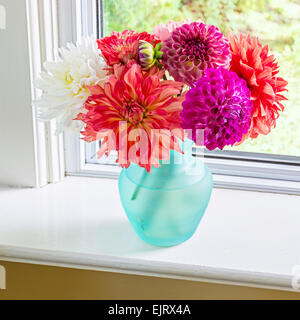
(44, 41)
(53, 23)
(231, 169)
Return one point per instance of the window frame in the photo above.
(44, 41)
(231, 169)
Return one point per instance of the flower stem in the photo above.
(137, 187)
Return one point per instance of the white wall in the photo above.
(17, 149)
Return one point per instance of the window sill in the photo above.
(245, 238)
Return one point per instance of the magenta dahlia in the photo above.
(193, 48)
(220, 104)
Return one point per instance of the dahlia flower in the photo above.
(252, 61)
(219, 104)
(192, 48)
(119, 48)
(163, 30)
(65, 83)
(131, 100)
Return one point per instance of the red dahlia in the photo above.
(119, 48)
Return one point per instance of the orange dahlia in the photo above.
(119, 48)
(254, 63)
(128, 109)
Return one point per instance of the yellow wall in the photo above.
(25, 281)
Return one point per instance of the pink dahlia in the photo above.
(192, 48)
(252, 61)
(220, 105)
(140, 103)
(119, 48)
(163, 30)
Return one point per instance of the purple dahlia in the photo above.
(220, 104)
(193, 48)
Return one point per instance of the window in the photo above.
(255, 164)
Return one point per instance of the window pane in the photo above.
(276, 23)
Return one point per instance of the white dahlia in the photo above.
(64, 83)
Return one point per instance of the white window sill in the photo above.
(245, 238)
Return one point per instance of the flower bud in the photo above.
(149, 56)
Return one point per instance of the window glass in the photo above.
(275, 22)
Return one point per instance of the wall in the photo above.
(25, 281)
(17, 149)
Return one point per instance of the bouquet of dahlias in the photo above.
(141, 93)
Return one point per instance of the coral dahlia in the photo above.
(219, 104)
(119, 48)
(252, 61)
(192, 48)
(137, 101)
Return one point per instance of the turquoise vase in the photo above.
(166, 205)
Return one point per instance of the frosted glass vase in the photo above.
(166, 205)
